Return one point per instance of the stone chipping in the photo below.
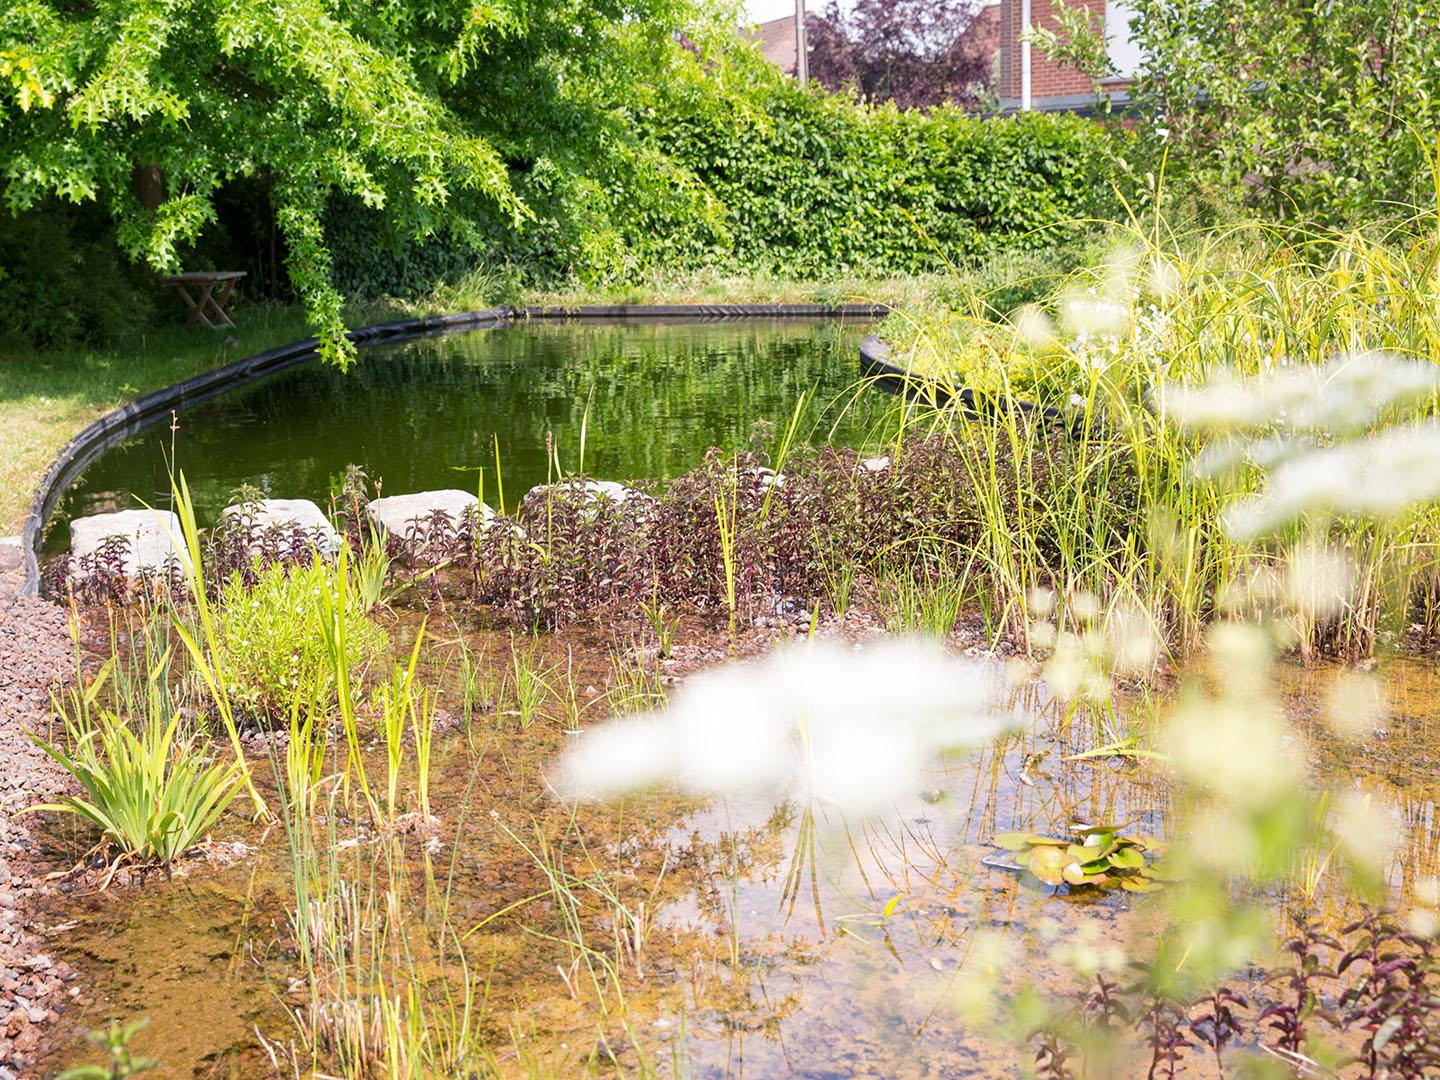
(35, 653)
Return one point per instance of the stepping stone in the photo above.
(287, 514)
(397, 514)
(875, 464)
(589, 491)
(152, 534)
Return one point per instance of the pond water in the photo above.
(765, 949)
(687, 937)
(620, 400)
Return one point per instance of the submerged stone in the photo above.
(299, 514)
(152, 538)
(403, 515)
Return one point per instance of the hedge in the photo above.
(800, 183)
(821, 184)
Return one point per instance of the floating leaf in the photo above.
(1019, 841)
(1048, 864)
(1138, 884)
(1127, 858)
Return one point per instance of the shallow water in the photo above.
(639, 401)
(765, 951)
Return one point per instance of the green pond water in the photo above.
(640, 400)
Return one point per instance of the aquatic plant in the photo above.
(662, 624)
(148, 790)
(530, 682)
(635, 685)
(1181, 361)
(1102, 858)
(926, 603)
(115, 1040)
(268, 635)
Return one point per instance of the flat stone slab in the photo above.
(287, 514)
(398, 514)
(153, 536)
(589, 491)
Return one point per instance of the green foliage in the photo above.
(64, 282)
(1297, 109)
(115, 1041)
(147, 791)
(1099, 858)
(271, 642)
(440, 114)
(807, 183)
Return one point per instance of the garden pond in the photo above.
(739, 936)
(625, 400)
(655, 934)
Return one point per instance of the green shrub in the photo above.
(815, 183)
(271, 644)
(63, 281)
(799, 183)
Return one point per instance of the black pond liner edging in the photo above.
(128, 420)
(876, 366)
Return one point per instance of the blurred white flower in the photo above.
(857, 728)
(1083, 315)
(1368, 834)
(1348, 392)
(1164, 277)
(1383, 474)
(1319, 580)
(1034, 327)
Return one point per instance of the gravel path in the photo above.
(35, 651)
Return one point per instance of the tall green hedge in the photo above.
(797, 182)
(817, 183)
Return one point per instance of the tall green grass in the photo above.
(1114, 507)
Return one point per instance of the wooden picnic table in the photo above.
(212, 291)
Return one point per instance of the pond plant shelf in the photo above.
(877, 366)
(130, 419)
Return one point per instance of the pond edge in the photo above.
(120, 424)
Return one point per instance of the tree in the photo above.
(438, 113)
(1302, 109)
(916, 53)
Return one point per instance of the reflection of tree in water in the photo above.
(426, 414)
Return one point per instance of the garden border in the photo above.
(129, 419)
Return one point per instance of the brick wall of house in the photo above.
(1047, 79)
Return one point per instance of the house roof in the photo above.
(777, 42)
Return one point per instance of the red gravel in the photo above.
(35, 652)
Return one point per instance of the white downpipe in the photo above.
(802, 61)
(1025, 99)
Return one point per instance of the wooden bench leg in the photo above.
(217, 303)
(197, 305)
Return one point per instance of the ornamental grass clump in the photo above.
(150, 791)
(271, 643)
(1233, 402)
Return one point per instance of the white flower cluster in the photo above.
(1376, 476)
(1348, 393)
(857, 728)
(1285, 422)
